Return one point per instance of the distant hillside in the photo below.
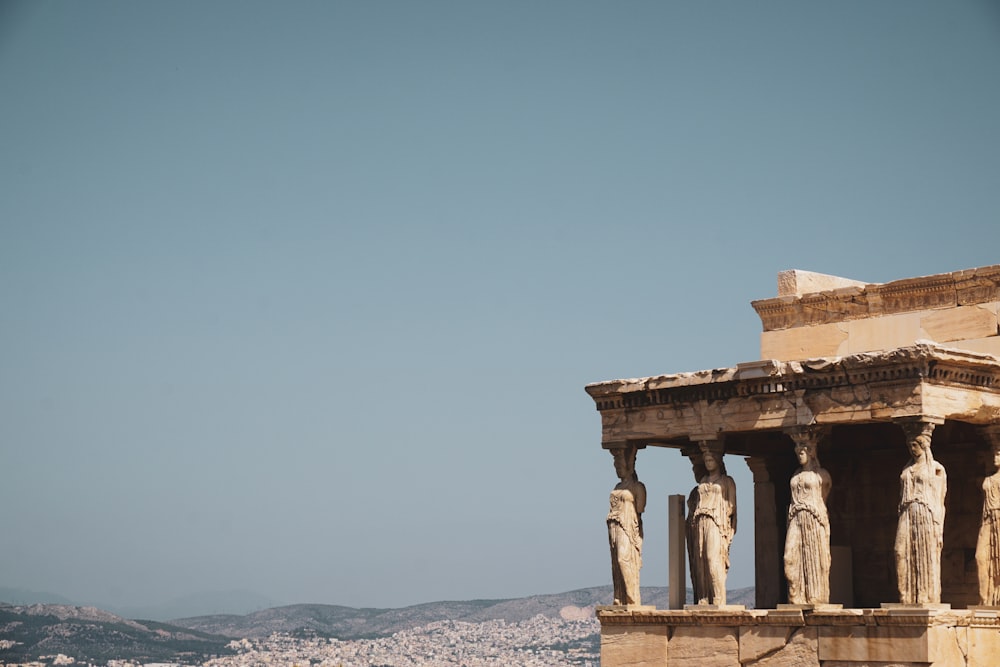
(214, 602)
(23, 597)
(92, 635)
(198, 604)
(352, 623)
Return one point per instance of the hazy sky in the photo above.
(301, 297)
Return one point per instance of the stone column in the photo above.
(767, 544)
(677, 551)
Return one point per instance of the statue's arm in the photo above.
(827, 483)
(640, 497)
(730, 487)
(987, 482)
(640, 503)
(902, 489)
(942, 490)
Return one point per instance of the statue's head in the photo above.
(806, 451)
(806, 441)
(712, 452)
(920, 446)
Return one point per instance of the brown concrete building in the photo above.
(860, 368)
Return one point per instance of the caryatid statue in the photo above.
(711, 526)
(628, 502)
(699, 471)
(920, 532)
(988, 544)
(807, 540)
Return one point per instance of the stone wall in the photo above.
(793, 638)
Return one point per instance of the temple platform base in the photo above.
(799, 638)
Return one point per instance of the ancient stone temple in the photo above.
(871, 425)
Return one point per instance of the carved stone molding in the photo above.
(811, 435)
(961, 288)
(760, 617)
(923, 361)
(914, 428)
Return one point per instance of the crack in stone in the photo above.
(764, 656)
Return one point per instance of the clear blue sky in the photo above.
(301, 297)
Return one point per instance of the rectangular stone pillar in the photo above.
(677, 550)
(767, 565)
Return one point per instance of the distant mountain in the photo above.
(92, 635)
(21, 596)
(199, 604)
(351, 623)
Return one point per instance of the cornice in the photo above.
(960, 288)
(923, 362)
(762, 617)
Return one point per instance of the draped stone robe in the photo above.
(807, 541)
(920, 532)
(711, 526)
(988, 544)
(627, 503)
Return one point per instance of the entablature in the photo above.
(925, 380)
